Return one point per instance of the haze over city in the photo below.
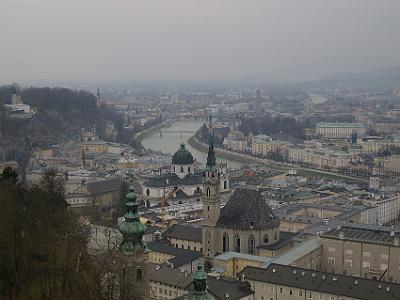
(199, 149)
(102, 40)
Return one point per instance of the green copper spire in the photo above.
(132, 229)
(199, 286)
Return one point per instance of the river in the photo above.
(176, 133)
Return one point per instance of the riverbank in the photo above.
(140, 136)
(244, 158)
(199, 146)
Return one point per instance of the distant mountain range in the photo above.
(385, 78)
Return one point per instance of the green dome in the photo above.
(182, 156)
(199, 286)
(132, 229)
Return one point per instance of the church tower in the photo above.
(98, 100)
(211, 205)
(133, 253)
(199, 286)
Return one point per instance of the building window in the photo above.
(366, 254)
(348, 263)
(251, 245)
(189, 169)
(265, 239)
(331, 260)
(237, 243)
(182, 170)
(139, 274)
(331, 249)
(225, 242)
(148, 192)
(208, 192)
(174, 169)
(225, 184)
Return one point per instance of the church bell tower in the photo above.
(133, 253)
(211, 204)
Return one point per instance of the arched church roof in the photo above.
(182, 156)
(247, 209)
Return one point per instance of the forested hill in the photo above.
(59, 114)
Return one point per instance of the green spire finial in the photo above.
(132, 229)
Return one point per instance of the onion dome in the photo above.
(132, 229)
(182, 156)
(199, 286)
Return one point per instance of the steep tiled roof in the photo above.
(245, 209)
(105, 186)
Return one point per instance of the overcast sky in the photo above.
(195, 39)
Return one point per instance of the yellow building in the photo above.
(306, 255)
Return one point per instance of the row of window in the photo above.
(188, 247)
(183, 170)
(250, 242)
(300, 293)
(349, 263)
(365, 253)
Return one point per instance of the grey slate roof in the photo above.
(174, 180)
(358, 232)
(222, 287)
(169, 276)
(184, 232)
(105, 186)
(181, 256)
(247, 208)
(348, 286)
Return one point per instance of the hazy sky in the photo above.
(195, 39)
